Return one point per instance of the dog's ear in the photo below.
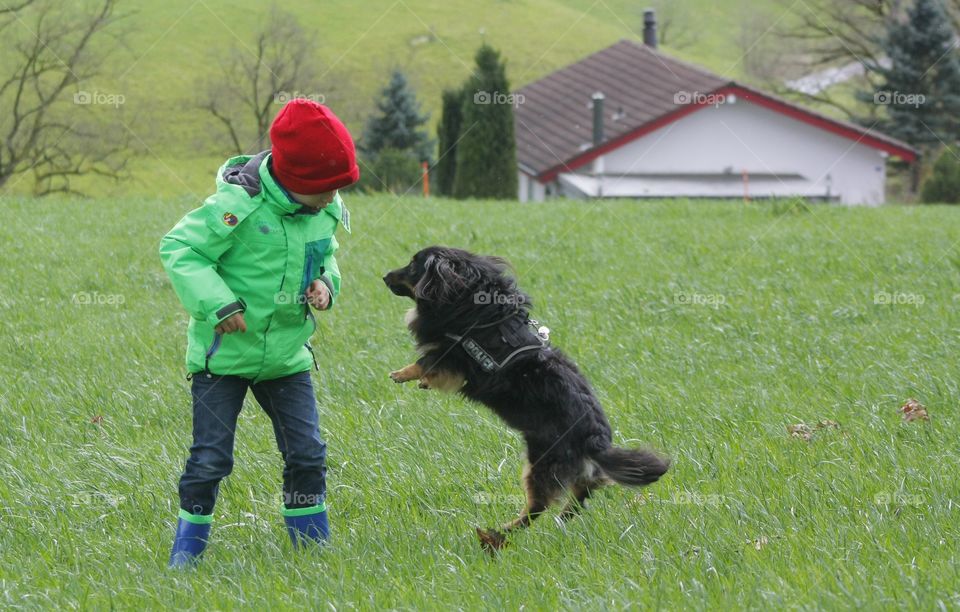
(496, 266)
(440, 283)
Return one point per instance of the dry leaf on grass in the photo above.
(913, 410)
(97, 420)
(805, 432)
(760, 542)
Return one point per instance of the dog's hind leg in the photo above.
(590, 479)
(581, 493)
(542, 490)
(575, 506)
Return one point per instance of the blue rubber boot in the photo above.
(193, 531)
(307, 526)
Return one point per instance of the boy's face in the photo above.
(318, 201)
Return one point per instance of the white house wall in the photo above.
(529, 189)
(743, 136)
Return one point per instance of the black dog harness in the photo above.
(494, 345)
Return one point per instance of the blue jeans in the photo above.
(290, 404)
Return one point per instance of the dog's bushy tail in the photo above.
(633, 467)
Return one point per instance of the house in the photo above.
(630, 121)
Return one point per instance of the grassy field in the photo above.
(706, 328)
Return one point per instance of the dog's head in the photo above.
(442, 275)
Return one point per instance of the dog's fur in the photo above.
(540, 393)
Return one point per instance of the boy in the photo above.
(247, 266)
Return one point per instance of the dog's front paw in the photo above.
(407, 373)
(491, 540)
(423, 384)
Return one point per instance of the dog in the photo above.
(474, 336)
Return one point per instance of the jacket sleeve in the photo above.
(331, 271)
(190, 252)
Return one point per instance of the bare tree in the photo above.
(763, 57)
(254, 79)
(45, 128)
(838, 33)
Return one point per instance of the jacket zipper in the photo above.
(214, 347)
(272, 312)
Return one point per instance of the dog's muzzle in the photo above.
(394, 282)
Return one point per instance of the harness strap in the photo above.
(493, 323)
(486, 361)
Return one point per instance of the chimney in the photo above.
(597, 118)
(650, 28)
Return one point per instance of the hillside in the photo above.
(173, 46)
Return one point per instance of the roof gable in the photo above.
(554, 129)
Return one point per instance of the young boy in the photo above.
(247, 266)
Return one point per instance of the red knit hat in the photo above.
(312, 149)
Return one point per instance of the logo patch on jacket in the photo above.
(230, 219)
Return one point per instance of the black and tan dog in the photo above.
(474, 337)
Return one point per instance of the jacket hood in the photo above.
(252, 174)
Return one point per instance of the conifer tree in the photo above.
(397, 124)
(487, 151)
(921, 87)
(448, 132)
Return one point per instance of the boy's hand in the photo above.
(233, 323)
(318, 295)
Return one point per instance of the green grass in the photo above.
(864, 515)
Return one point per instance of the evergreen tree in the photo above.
(921, 88)
(397, 124)
(397, 172)
(448, 132)
(943, 186)
(487, 151)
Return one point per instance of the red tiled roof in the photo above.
(554, 121)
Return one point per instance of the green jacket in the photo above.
(251, 248)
